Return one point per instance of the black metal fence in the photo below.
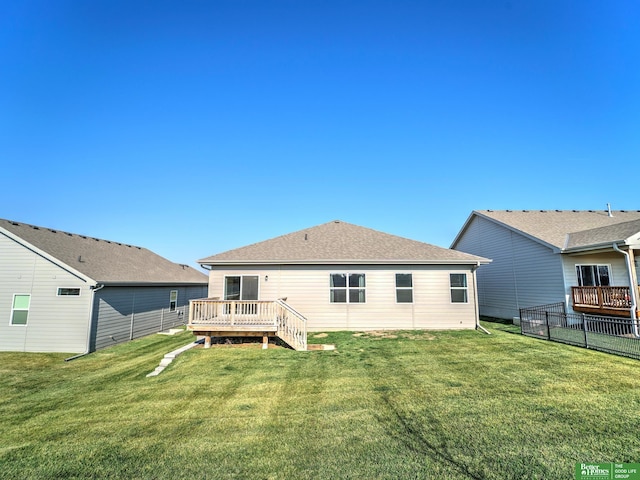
(607, 334)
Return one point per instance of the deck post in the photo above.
(265, 341)
(207, 341)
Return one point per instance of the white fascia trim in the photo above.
(349, 262)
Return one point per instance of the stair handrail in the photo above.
(299, 326)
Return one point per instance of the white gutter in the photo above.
(634, 305)
(93, 296)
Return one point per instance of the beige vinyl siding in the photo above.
(55, 323)
(523, 272)
(619, 276)
(306, 288)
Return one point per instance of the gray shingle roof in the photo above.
(341, 242)
(617, 233)
(105, 261)
(560, 228)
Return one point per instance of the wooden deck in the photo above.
(614, 301)
(249, 318)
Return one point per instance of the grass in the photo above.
(450, 405)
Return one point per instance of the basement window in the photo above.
(68, 292)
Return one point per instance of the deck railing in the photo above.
(250, 315)
(602, 297)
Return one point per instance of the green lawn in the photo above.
(425, 405)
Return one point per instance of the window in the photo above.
(458, 283)
(347, 288)
(593, 275)
(68, 292)
(404, 288)
(173, 300)
(242, 287)
(20, 310)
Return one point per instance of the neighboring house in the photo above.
(63, 292)
(346, 277)
(586, 259)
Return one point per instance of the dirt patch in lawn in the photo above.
(380, 334)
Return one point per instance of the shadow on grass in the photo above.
(503, 321)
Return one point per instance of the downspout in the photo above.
(634, 304)
(93, 297)
(475, 299)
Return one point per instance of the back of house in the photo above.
(342, 276)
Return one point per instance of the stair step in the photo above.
(171, 331)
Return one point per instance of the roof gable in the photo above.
(104, 261)
(558, 228)
(340, 242)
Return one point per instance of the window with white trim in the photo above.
(173, 300)
(68, 292)
(593, 275)
(404, 288)
(20, 309)
(458, 285)
(347, 288)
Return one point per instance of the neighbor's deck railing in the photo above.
(603, 298)
(249, 315)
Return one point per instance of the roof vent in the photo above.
(609, 214)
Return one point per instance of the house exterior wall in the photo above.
(306, 289)
(124, 313)
(522, 273)
(54, 323)
(619, 276)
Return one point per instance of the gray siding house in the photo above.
(63, 292)
(341, 276)
(585, 259)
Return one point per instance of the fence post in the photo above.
(584, 328)
(546, 319)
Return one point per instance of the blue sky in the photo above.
(194, 127)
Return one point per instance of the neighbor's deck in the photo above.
(602, 300)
